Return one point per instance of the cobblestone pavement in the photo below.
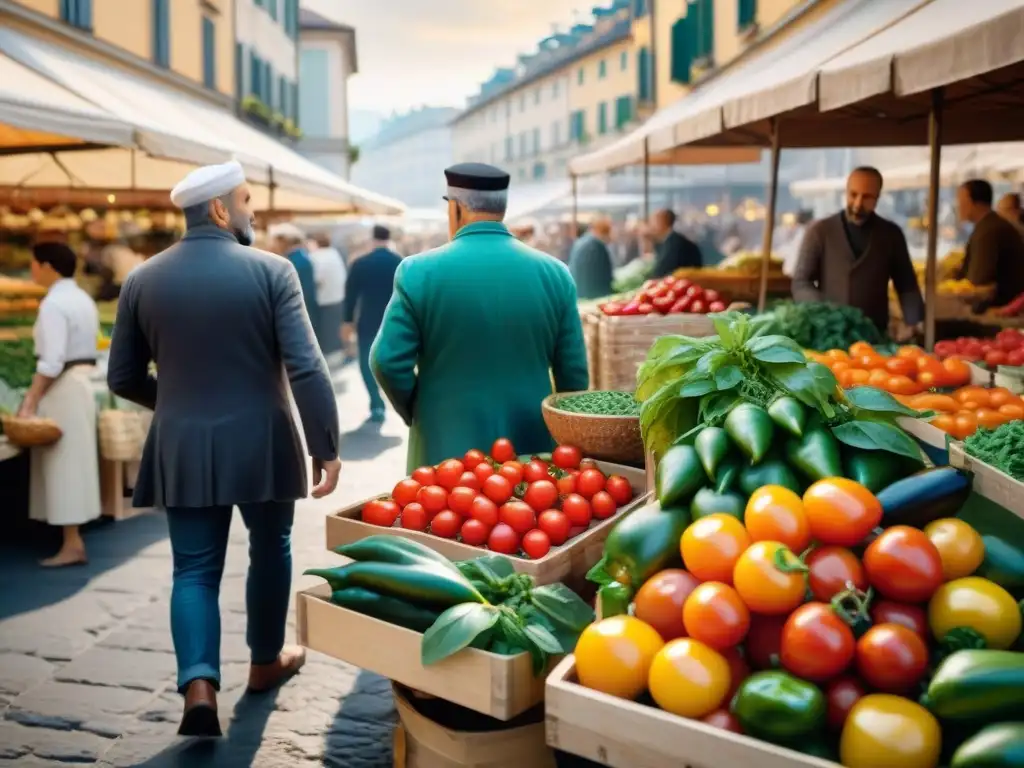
(87, 665)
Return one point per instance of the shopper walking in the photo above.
(290, 242)
(220, 321)
(330, 275)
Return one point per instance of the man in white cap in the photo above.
(220, 321)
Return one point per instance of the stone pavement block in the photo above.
(19, 672)
(69, 707)
(232, 644)
(19, 742)
(142, 576)
(118, 668)
(55, 644)
(31, 761)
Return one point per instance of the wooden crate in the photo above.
(737, 286)
(994, 484)
(591, 329)
(568, 563)
(422, 743)
(980, 376)
(495, 685)
(623, 343)
(933, 441)
(623, 734)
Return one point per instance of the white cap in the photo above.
(287, 231)
(206, 183)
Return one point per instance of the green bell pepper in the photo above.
(996, 746)
(772, 471)
(977, 684)
(876, 470)
(815, 455)
(708, 502)
(776, 706)
(641, 544)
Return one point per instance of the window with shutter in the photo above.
(682, 50)
(239, 71)
(602, 118)
(209, 53)
(643, 74)
(162, 32)
(746, 14)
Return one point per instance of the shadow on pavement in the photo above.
(361, 734)
(366, 442)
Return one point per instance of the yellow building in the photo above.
(603, 89)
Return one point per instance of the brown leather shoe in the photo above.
(266, 677)
(200, 716)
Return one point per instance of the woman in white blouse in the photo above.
(64, 488)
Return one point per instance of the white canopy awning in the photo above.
(525, 199)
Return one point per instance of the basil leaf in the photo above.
(877, 436)
(666, 345)
(455, 629)
(561, 605)
(696, 388)
(728, 377)
(543, 639)
(798, 380)
(775, 349)
(710, 361)
(877, 400)
(516, 634)
(723, 323)
(665, 416)
(493, 568)
(716, 406)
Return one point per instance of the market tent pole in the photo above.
(270, 188)
(647, 181)
(934, 177)
(769, 218)
(575, 207)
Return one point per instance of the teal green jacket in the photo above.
(473, 336)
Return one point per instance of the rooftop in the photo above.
(401, 126)
(311, 21)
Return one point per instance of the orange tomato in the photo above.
(958, 372)
(932, 402)
(965, 425)
(715, 615)
(837, 355)
(614, 656)
(929, 379)
(901, 366)
(711, 546)
(858, 376)
(841, 512)
(902, 385)
(839, 366)
(988, 418)
(910, 352)
(1012, 411)
(845, 378)
(859, 348)
(775, 513)
(971, 394)
(764, 588)
(999, 396)
(879, 377)
(946, 422)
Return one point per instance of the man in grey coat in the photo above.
(223, 323)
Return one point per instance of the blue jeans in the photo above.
(199, 542)
(376, 401)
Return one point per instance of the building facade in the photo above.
(266, 63)
(407, 157)
(327, 58)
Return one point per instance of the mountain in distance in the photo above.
(363, 124)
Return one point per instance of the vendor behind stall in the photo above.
(672, 249)
(850, 257)
(590, 261)
(65, 488)
(995, 251)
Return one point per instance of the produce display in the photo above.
(821, 326)
(669, 295)
(510, 504)
(19, 297)
(600, 403)
(1007, 348)
(909, 372)
(481, 603)
(745, 263)
(1001, 446)
(17, 362)
(958, 287)
(966, 410)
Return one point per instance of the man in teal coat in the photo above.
(590, 261)
(477, 329)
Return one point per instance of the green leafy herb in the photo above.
(877, 436)
(456, 629)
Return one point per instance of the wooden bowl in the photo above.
(32, 432)
(608, 438)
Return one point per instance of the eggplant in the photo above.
(925, 496)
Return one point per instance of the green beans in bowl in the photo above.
(602, 424)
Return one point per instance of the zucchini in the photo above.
(386, 608)
(996, 746)
(924, 497)
(1004, 563)
(427, 585)
(977, 685)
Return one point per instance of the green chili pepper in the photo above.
(772, 471)
(708, 502)
(712, 445)
(876, 470)
(679, 475)
(816, 454)
(393, 549)
(427, 585)
(788, 414)
(729, 473)
(386, 608)
(752, 429)
(777, 707)
(615, 599)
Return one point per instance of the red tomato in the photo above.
(512, 471)
(603, 505)
(590, 481)
(518, 516)
(830, 569)
(424, 476)
(434, 498)
(474, 533)
(445, 524)
(739, 670)
(715, 615)
(577, 509)
(892, 658)
(381, 512)
(619, 489)
(711, 295)
(503, 539)
(536, 544)
(717, 306)
(724, 720)
(503, 451)
(912, 617)
(566, 457)
(472, 458)
(541, 495)
(405, 492)
(460, 500)
(415, 517)
(841, 694)
(903, 564)
(659, 602)
(535, 470)
(566, 484)
(995, 357)
(817, 645)
(497, 488)
(555, 524)
(469, 480)
(484, 510)
(482, 471)
(449, 473)
(764, 640)
(841, 512)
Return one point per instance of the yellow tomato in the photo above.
(980, 604)
(614, 655)
(960, 547)
(689, 679)
(884, 731)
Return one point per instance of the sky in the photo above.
(436, 52)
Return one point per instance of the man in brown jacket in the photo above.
(995, 251)
(850, 257)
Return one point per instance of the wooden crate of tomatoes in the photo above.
(910, 371)
(1006, 348)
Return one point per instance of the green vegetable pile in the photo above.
(822, 326)
(1002, 447)
(603, 403)
(17, 363)
(481, 603)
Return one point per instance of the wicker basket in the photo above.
(623, 343)
(606, 438)
(591, 327)
(33, 432)
(122, 434)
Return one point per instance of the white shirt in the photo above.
(66, 328)
(329, 273)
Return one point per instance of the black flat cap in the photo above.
(478, 176)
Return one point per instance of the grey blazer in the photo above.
(223, 323)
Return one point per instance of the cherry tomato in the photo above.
(424, 476)
(449, 473)
(659, 602)
(913, 617)
(764, 640)
(482, 471)
(566, 484)
(841, 694)
(445, 524)
(577, 509)
(724, 720)
(603, 505)
(830, 569)
(497, 488)
(715, 615)
(763, 587)
(739, 670)
(775, 513)
(590, 482)
(555, 524)
(619, 489)
(503, 451)
(472, 458)
(469, 480)
(474, 533)
(959, 545)
(512, 471)
(817, 645)
(885, 730)
(891, 658)
(536, 544)
(434, 498)
(484, 510)
(712, 545)
(535, 470)
(566, 457)
(902, 564)
(841, 512)
(688, 679)
(405, 492)
(503, 539)
(415, 517)
(541, 495)
(460, 500)
(518, 516)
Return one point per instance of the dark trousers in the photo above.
(199, 542)
(376, 401)
(328, 331)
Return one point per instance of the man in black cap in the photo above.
(367, 293)
(477, 329)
